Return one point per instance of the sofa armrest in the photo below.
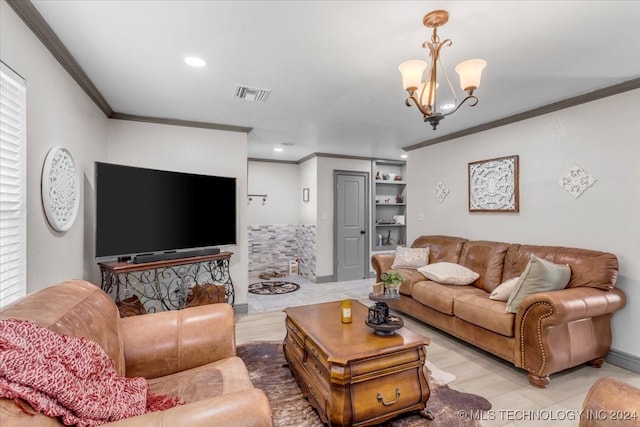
(560, 329)
(163, 343)
(382, 263)
(571, 304)
(610, 403)
(248, 408)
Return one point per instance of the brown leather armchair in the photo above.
(188, 353)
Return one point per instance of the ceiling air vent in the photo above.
(252, 93)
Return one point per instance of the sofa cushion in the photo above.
(411, 277)
(441, 248)
(441, 297)
(487, 259)
(449, 273)
(481, 311)
(588, 268)
(214, 379)
(539, 276)
(410, 257)
(504, 290)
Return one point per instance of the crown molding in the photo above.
(37, 24)
(178, 122)
(255, 159)
(545, 109)
(32, 18)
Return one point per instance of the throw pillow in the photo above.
(131, 306)
(539, 276)
(504, 290)
(449, 273)
(205, 294)
(410, 257)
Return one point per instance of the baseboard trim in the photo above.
(241, 308)
(324, 279)
(624, 360)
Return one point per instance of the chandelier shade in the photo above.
(412, 72)
(423, 94)
(470, 73)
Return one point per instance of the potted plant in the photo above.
(391, 281)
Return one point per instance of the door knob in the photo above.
(362, 232)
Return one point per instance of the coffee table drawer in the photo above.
(295, 346)
(293, 329)
(390, 394)
(318, 396)
(388, 362)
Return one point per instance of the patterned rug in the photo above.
(265, 361)
(275, 287)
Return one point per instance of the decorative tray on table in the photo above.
(379, 318)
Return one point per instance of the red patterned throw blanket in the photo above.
(69, 377)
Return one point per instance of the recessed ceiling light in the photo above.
(195, 61)
(278, 149)
(404, 156)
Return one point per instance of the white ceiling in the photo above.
(332, 65)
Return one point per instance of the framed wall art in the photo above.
(60, 188)
(493, 185)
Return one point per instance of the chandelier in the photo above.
(424, 94)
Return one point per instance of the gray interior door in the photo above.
(351, 226)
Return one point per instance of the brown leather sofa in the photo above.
(188, 353)
(611, 403)
(551, 331)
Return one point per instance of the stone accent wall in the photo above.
(271, 247)
(307, 250)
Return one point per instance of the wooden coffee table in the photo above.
(352, 376)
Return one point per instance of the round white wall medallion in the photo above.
(60, 189)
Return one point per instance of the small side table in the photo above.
(379, 318)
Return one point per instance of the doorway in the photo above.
(351, 209)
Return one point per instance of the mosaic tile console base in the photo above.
(271, 247)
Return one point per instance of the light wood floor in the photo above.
(514, 401)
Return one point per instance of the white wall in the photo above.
(325, 169)
(195, 150)
(602, 137)
(281, 182)
(58, 113)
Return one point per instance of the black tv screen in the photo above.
(142, 210)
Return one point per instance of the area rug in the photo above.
(266, 364)
(275, 287)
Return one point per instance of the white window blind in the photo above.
(13, 210)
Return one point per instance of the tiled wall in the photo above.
(271, 247)
(307, 249)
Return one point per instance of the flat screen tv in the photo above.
(141, 211)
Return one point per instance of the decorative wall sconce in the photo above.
(251, 196)
(305, 194)
(424, 94)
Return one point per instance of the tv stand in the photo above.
(162, 285)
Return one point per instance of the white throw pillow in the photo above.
(410, 257)
(504, 289)
(538, 276)
(449, 273)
